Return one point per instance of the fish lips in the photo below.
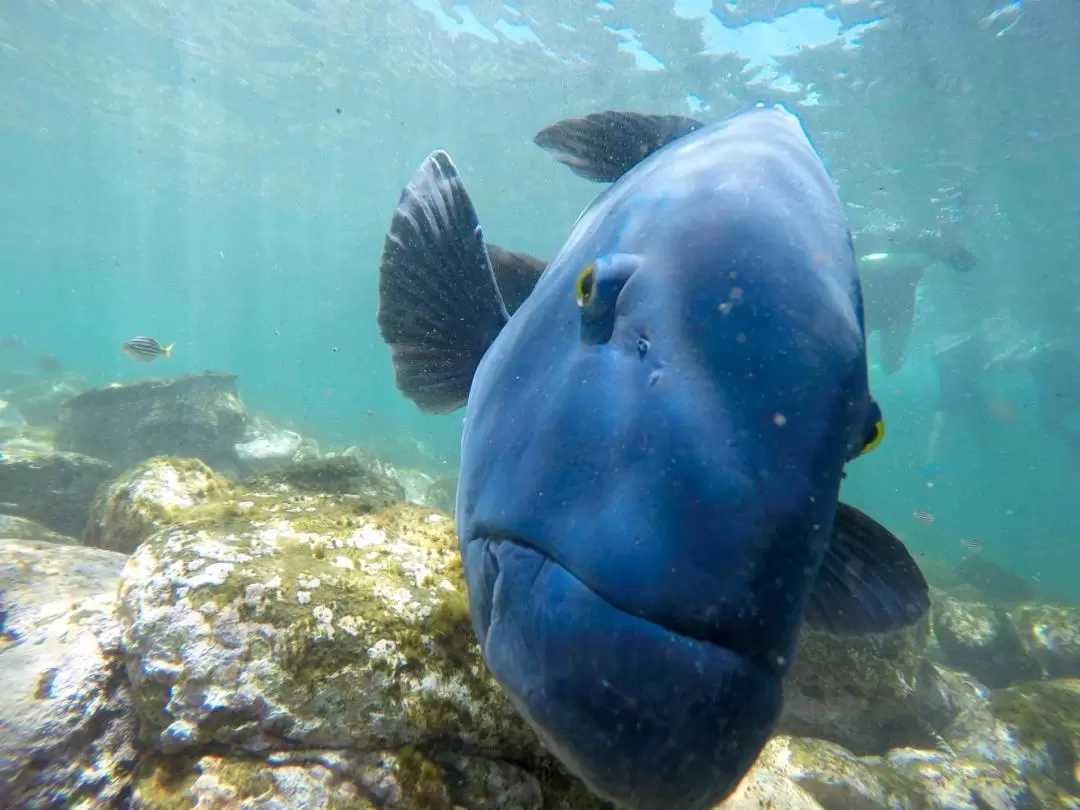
(644, 716)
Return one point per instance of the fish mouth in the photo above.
(645, 715)
(715, 639)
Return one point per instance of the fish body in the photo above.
(146, 349)
(652, 454)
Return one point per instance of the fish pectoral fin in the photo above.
(515, 273)
(605, 146)
(868, 581)
(439, 304)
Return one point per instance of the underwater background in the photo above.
(220, 175)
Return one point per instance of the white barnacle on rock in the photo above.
(214, 549)
(396, 599)
(214, 574)
(446, 585)
(308, 583)
(322, 614)
(349, 625)
(365, 537)
(433, 518)
(344, 562)
(420, 572)
(303, 597)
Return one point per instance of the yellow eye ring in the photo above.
(879, 436)
(585, 286)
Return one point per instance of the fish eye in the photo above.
(585, 287)
(875, 439)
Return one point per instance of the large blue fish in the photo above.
(653, 448)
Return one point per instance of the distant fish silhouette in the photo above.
(924, 516)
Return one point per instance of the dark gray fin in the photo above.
(439, 305)
(868, 582)
(605, 146)
(516, 273)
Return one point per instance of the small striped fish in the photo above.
(146, 349)
(923, 516)
(971, 546)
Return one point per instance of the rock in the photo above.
(423, 489)
(10, 416)
(40, 401)
(153, 494)
(51, 488)
(415, 483)
(1051, 635)
(353, 472)
(36, 439)
(197, 416)
(943, 694)
(857, 691)
(308, 624)
(66, 724)
(266, 447)
(981, 640)
(17, 528)
(264, 627)
(905, 779)
(442, 494)
(327, 779)
(1031, 728)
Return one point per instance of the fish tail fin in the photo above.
(439, 304)
(168, 351)
(605, 146)
(868, 581)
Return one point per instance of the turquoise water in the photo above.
(222, 178)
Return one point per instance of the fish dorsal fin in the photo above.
(605, 146)
(868, 581)
(439, 304)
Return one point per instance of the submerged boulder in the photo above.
(67, 728)
(1005, 647)
(197, 416)
(153, 494)
(1032, 728)
(52, 488)
(858, 691)
(40, 401)
(17, 528)
(266, 447)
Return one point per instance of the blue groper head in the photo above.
(653, 451)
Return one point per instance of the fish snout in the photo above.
(645, 717)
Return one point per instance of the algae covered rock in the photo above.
(66, 724)
(309, 623)
(354, 472)
(1051, 635)
(17, 528)
(1031, 728)
(858, 691)
(153, 494)
(197, 416)
(904, 779)
(981, 640)
(51, 488)
(329, 779)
